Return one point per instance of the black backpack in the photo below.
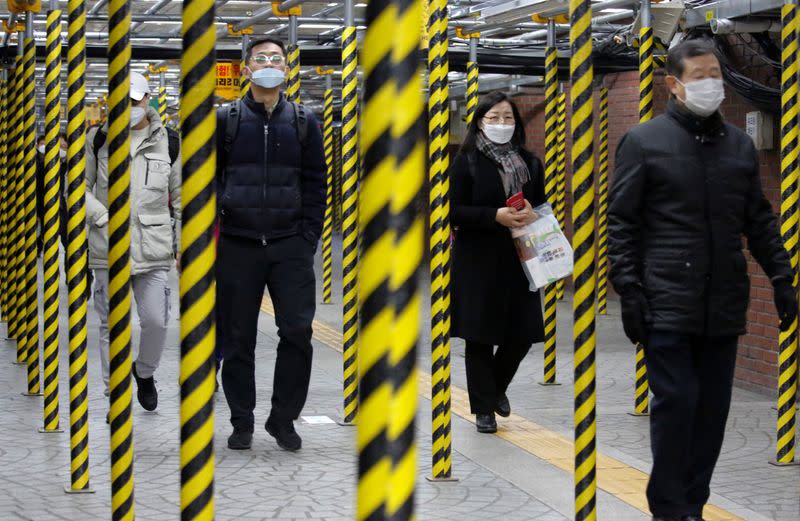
(172, 135)
(233, 113)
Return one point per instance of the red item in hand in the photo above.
(516, 201)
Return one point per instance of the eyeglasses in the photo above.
(498, 119)
(263, 59)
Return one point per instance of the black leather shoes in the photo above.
(284, 434)
(486, 423)
(146, 391)
(503, 408)
(240, 440)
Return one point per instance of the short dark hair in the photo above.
(688, 49)
(486, 103)
(262, 41)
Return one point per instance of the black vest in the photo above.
(260, 195)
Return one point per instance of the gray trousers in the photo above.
(151, 293)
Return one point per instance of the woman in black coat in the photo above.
(491, 302)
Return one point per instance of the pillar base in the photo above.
(794, 463)
(341, 422)
(32, 394)
(20, 363)
(449, 479)
(50, 431)
(548, 384)
(69, 490)
(638, 414)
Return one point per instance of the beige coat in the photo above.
(153, 182)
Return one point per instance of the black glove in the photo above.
(786, 303)
(635, 314)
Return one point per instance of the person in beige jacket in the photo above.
(154, 232)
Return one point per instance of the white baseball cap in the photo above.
(139, 86)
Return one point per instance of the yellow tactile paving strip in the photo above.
(615, 477)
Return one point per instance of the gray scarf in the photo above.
(513, 171)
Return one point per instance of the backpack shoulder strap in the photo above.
(97, 143)
(302, 122)
(234, 112)
(174, 143)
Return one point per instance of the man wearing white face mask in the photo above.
(686, 190)
(155, 180)
(271, 196)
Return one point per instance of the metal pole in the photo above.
(602, 212)
(788, 340)
(350, 189)
(244, 82)
(51, 221)
(580, 37)
(119, 268)
(472, 79)
(198, 256)
(31, 272)
(4, 197)
(293, 80)
(162, 96)
(20, 220)
(561, 160)
(288, 4)
(327, 231)
(642, 389)
(77, 250)
(439, 161)
(551, 182)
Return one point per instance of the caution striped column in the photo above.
(472, 78)
(293, 76)
(561, 172)
(376, 313)
(162, 95)
(4, 197)
(350, 186)
(788, 340)
(16, 152)
(646, 70)
(327, 229)
(439, 139)
(51, 220)
(31, 272)
(197, 287)
(408, 229)
(583, 305)
(77, 249)
(119, 268)
(550, 176)
(244, 81)
(602, 212)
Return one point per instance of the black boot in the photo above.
(486, 423)
(146, 391)
(284, 434)
(240, 439)
(503, 408)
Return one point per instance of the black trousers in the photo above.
(490, 373)
(691, 379)
(286, 268)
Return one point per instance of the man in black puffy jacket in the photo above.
(686, 190)
(271, 186)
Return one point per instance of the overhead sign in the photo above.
(227, 79)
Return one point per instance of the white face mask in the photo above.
(137, 115)
(703, 97)
(40, 149)
(500, 134)
(268, 78)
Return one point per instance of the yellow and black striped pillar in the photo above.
(17, 268)
(77, 249)
(583, 304)
(551, 182)
(198, 254)
(439, 161)
(119, 267)
(376, 312)
(472, 78)
(51, 220)
(408, 230)
(4, 197)
(642, 388)
(561, 172)
(293, 64)
(787, 355)
(350, 187)
(602, 210)
(327, 229)
(162, 94)
(244, 81)
(31, 272)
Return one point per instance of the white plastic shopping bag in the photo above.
(544, 251)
